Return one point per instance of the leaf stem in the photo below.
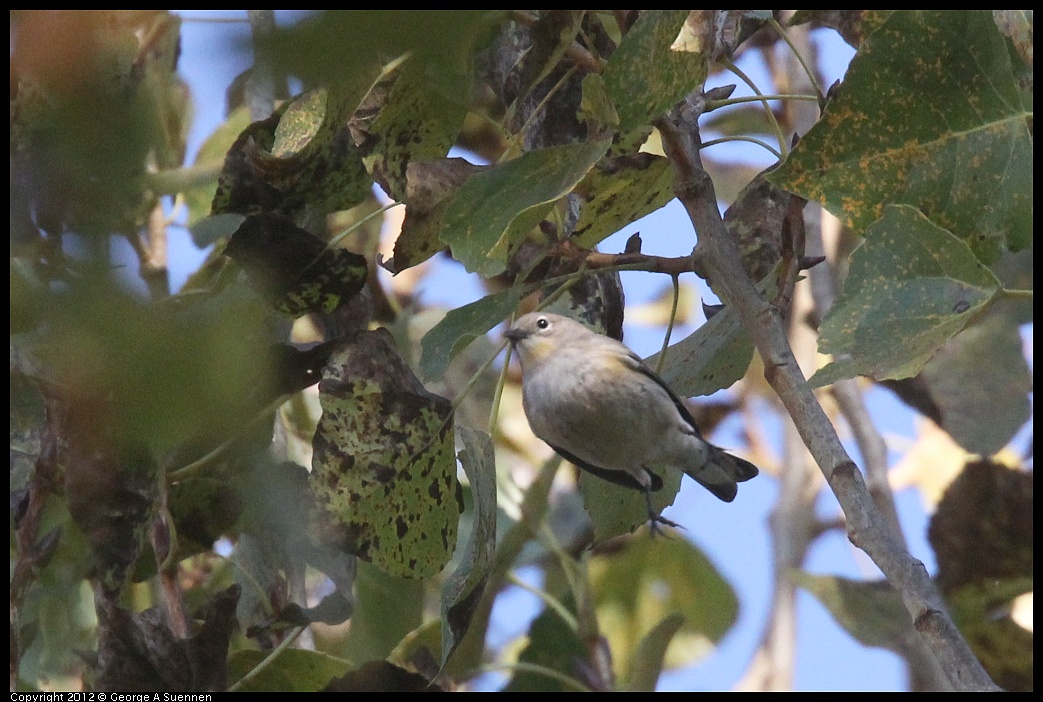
(536, 110)
(783, 148)
(714, 104)
(669, 325)
(561, 610)
(196, 466)
(758, 142)
(803, 62)
(339, 237)
(268, 660)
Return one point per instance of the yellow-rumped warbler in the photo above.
(600, 407)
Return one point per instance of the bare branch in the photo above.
(633, 260)
(867, 528)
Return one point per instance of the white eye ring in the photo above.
(542, 323)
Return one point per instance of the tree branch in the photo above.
(633, 260)
(867, 528)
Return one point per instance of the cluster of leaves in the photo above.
(143, 428)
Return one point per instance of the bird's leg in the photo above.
(654, 518)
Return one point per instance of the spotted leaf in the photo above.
(383, 472)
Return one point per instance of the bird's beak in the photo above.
(516, 335)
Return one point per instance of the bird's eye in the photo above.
(542, 323)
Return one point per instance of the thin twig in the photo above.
(669, 325)
(576, 53)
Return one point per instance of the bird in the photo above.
(597, 404)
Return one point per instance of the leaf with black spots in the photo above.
(418, 121)
(294, 269)
(303, 155)
(384, 473)
(464, 588)
(766, 221)
(620, 190)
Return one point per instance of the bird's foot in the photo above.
(655, 519)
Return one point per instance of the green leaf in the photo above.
(493, 211)
(620, 190)
(387, 609)
(709, 359)
(554, 645)
(213, 150)
(980, 383)
(872, 612)
(596, 108)
(346, 46)
(1005, 648)
(464, 588)
(637, 588)
(648, 660)
(463, 325)
(429, 189)
(615, 510)
(930, 116)
(383, 467)
(645, 76)
(215, 228)
(167, 372)
(911, 287)
(293, 670)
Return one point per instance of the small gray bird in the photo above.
(600, 407)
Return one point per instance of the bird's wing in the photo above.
(638, 365)
(616, 477)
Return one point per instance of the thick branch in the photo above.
(867, 528)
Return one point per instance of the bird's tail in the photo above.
(722, 473)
